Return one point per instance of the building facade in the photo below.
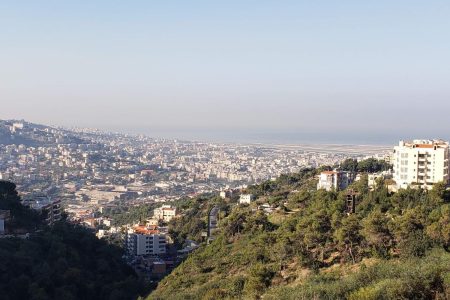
(50, 208)
(334, 180)
(165, 213)
(145, 242)
(421, 163)
(246, 198)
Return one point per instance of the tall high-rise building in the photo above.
(421, 163)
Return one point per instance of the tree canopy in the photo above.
(64, 261)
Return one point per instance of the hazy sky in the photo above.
(334, 69)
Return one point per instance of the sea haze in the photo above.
(271, 136)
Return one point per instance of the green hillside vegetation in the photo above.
(194, 220)
(370, 165)
(128, 215)
(394, 247)
(62, 262)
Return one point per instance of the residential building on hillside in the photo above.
(49, 207)
(374, 177)
(337, 180)
(143, 240)
(421, 163)
(165, 213)
(152, 222)
(246, 198)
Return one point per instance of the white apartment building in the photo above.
(337, 180)
(145, 242)
(421, 163)
(246, 198)
(165, 213)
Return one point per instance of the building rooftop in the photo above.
(424, 144)
(329, 172)
(39, 203)
(146, 230)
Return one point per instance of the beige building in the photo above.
(334, 180)
(421, 163)
(165, 213)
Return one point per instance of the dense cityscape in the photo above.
(87, 169)
(89, 174)
(140, 193)
(209, 150)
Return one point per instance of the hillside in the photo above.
(35, 135)
(394, 247)
(60, 262)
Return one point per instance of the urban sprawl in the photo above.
(86, 173)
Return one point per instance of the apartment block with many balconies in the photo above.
(421, 163)
(50, 208)
(143, 240)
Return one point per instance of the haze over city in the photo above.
(209, 150)
(252, 71)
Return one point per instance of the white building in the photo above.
(15, 126)
(145, 242)
(246, 198)
(373, 178)
(337, 180)
(165, 213)
(421, 163)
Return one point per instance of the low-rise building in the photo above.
(373, 178)
(165, 213)
(334, 180)
(153, 222)
(246, 198)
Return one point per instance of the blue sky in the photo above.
(350, 70)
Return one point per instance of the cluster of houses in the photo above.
(147, 244)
